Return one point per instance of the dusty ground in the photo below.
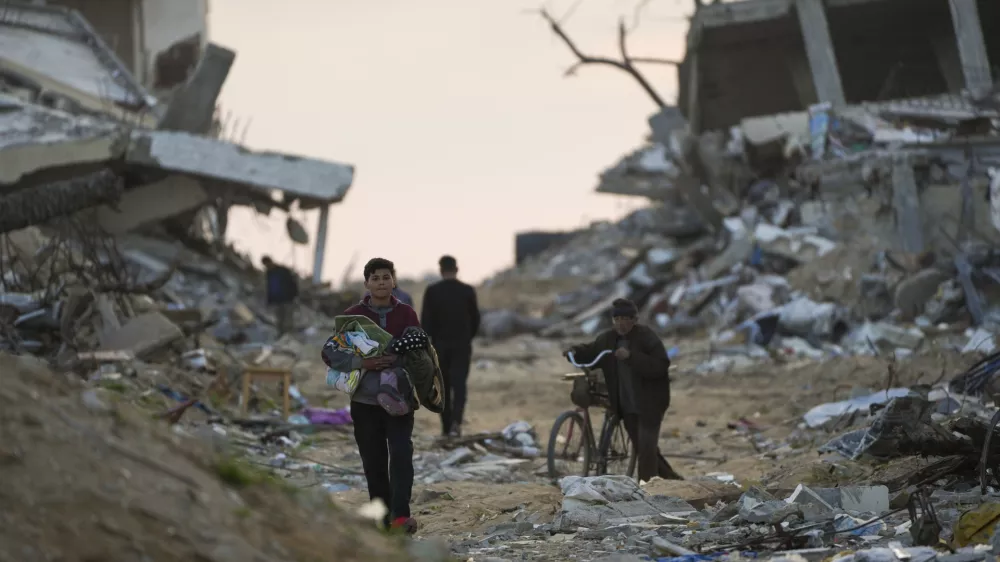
(66, 495)
(87, 479)
(505, 386)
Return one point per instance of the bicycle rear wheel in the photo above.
(569, 451)
(616, 453)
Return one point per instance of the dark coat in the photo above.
(649, 363)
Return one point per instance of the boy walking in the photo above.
(384, 439)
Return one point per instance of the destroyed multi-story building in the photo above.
(802, 127)
(839, 96)
(763, 57)
(109, 108)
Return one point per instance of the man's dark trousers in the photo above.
(645, 436)
(386, 447)
(455, 361)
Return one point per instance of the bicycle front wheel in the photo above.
(569, 447)
(616, 453)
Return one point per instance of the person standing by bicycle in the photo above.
(637, 376)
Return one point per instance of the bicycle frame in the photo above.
(610, 422)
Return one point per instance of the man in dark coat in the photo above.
(638, 383)
(282, 290)
(450, 315)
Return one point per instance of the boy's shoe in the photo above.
(389, 395)
(456, 431)
(406, 524)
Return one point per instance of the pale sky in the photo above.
(455, 113)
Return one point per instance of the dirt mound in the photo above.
(88, 479)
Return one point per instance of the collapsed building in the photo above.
(113, 169)
(75, 108)
(809, 133)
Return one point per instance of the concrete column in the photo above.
(192, 107)
(971, 45)
(324, 216)
(819, 50)
(906, 200)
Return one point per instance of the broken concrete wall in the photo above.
(151, 203)
(882, 55)
(36, 139)
(168, 24)
(748, 58)
(750, 69)
(160, 41)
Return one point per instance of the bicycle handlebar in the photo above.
(572, 360)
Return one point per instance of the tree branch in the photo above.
(626, 64)
(651, 60)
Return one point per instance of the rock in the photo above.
(581, 491)
(432, 550)
(93, 402)
(427, 495)
(814, 507)
(458, 456)
(770, 512)
(141, 335)
(913, 292)
(865, 499)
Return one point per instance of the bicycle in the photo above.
(615, 453)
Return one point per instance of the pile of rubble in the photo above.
(906, 472)
(116, 188)
(795, 246)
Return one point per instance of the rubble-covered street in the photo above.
(823, 270)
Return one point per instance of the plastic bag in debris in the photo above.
(902, 428)
(806, 318)
(511, 432)
(580, 491)
(823, 413)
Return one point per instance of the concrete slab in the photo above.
(57, 47)
(211, 159)
(35, 138)
(151, 203)
(142, 335)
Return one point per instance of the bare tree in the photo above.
(627, 62)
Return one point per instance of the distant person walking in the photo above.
(282, 290)
(450, 316)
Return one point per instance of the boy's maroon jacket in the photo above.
(398, 318)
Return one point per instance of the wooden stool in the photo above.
(284, 376)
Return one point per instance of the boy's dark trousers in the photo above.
(386, 447)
